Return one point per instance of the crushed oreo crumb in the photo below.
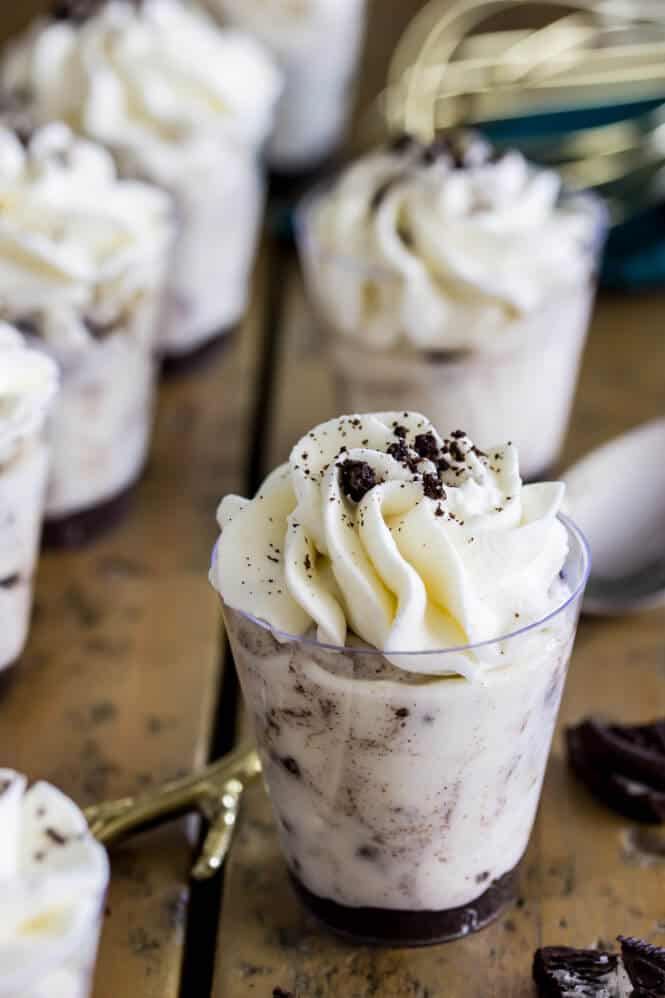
(403, 454)
(426, 445)
(291, 765)
(432, 487)
(357, 478)
(55, 836)
(10, 581)
(402, 143)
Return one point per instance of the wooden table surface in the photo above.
(123, 685)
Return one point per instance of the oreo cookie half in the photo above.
(565, 972)
(623, 765)
(645, 965)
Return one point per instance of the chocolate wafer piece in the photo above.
(623, 765)
(565, 972)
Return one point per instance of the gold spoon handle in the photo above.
(205, 791)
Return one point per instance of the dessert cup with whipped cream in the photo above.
(401, 610)
(317, 45)
(83, 261)
(180, 103)
(28, 385)
(53, 880)
(457, 281)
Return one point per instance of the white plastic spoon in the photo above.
(616, 494)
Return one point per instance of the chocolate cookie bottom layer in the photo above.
(181, 363)
(7, 676)
(77, 529)
(390, 927)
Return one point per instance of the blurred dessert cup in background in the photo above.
(317, 45)
(456, 281)
(83, 262)
(180, 103)
(28, 385)
(53, 880)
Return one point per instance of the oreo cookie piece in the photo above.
(645, 965)
(78, 11)
(357, 479)
(623, 765)
(564, 972)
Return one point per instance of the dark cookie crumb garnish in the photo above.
(402, 712)
(369, 852)
(357, 478)
(432, 487)
(400, 431)
(79, 11)
(645, 965)
(57, 837)
(281, 993)
(291, 765)
(426, 445)
(462, 148)
(402, 143)
(560, 971)
(403, 454)
(10, 581)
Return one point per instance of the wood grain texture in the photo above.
(117, 689)
(582, 879)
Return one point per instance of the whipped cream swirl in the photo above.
(28, 384)
(379, 528)
(52, 878)
(157, 81)
(444, 246)
(77, 245)
(284, 23)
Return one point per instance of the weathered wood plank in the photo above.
(580, 882)
(118, 686)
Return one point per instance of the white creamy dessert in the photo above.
(372, 592)
(83, 260)
(28, 384)
(180, 103)
(460, 282)
(53, 878)
(317, 45)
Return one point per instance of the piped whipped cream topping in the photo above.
(77, 245)
(443, 246)
(157, 81)
(28, 385)
(381, 529)
(52, 878)
(286, 20)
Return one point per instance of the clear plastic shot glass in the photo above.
(404, 802)
(516, 383)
